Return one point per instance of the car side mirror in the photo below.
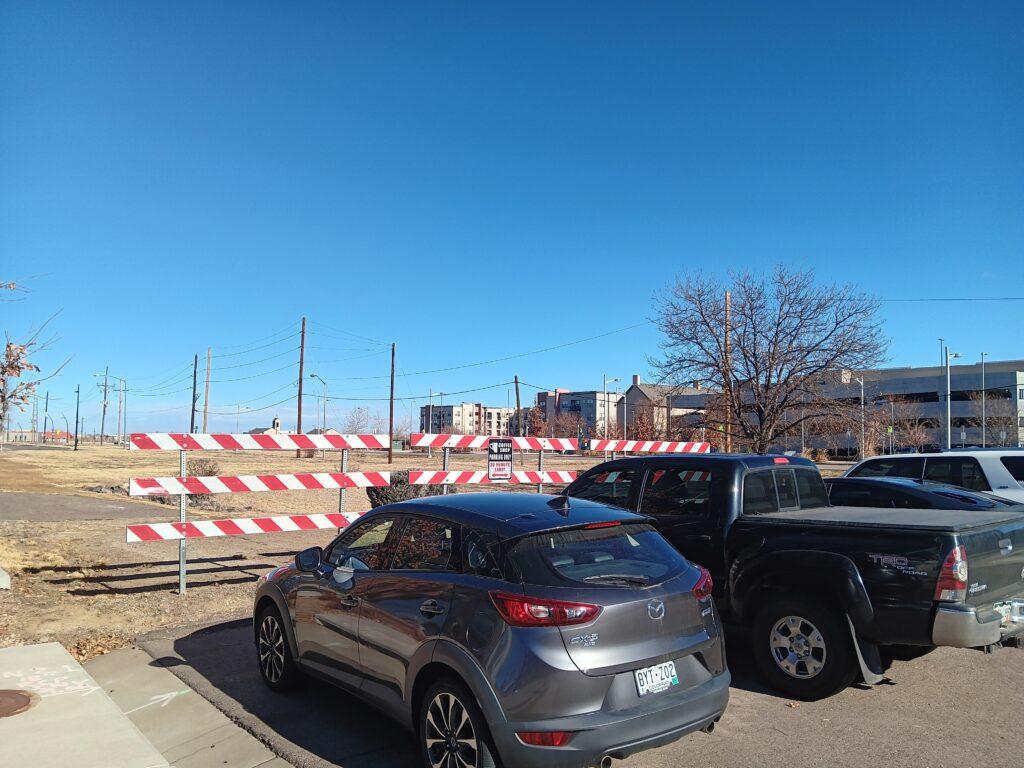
(309, 560)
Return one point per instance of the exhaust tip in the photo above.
(606, 762)
(709, 728)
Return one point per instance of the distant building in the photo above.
(274, 429)
(592, 407)
(465, 419)
(653, 402)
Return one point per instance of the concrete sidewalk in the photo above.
(71, 719)
(188, 730)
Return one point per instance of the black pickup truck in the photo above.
(825, 589)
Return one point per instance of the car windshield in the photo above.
(617, 556)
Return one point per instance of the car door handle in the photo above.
(348, 601)
(431, 608)
(701, 537)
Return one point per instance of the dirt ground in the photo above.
(78, 582)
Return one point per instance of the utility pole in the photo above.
(192, 419)
(103, 415)
(124, 385)
(46, 414)
(519, 413)
(949, 398)
(983, 395)
(302, 363)
(391, 410)
(76, 414)
(120, 392)
(206, 392)
(728, 376)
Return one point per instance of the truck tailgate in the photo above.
(995, 557)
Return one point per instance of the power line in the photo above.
(255, 349)
(290, 327)
(959, 299)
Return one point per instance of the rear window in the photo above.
(900, 467)
(1015, 466)
(780, 489)
(632, 555)
(957, 470)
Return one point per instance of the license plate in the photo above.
(656, 679)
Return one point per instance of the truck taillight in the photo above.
(952, 583)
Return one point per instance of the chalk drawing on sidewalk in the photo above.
(52, 681)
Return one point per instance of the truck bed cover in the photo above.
(952, 520)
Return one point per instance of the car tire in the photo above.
(448, 700)
(273, 653)
(803, 648)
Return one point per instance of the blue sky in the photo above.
(474, 181)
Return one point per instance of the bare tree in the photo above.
(789, 339)
(357, 422)
(1000, 416)
(535, 423)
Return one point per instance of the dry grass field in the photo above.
(78, 582)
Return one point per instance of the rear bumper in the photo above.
(964, 626)
(603, 733)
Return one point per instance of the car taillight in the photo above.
(704, 585)
(545, 738)
(952, 583)
(519, 611)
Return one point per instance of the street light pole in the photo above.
(323, 426)
(949, 399)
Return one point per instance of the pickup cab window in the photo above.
(892, 467)
(677, 492)
(781, 489)
(607, 487)
(957, 470)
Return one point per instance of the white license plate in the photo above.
(656, 679)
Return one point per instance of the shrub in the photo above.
(400, 490)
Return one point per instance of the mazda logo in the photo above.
(656, 609)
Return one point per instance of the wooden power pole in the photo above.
(195, 397)
(519, 412)
(391, 410)
(302, 364)
(728, 376)
(206, 389)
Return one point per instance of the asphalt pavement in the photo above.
(946, 708)
(50, 507)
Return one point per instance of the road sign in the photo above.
(499, 458)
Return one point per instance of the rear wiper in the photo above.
(628, 578)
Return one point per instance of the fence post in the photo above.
(445, 458)
(182, 543)
(540, 467)
(341, 493)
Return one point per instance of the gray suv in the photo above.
(504, 628)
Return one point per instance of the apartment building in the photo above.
(465, 419)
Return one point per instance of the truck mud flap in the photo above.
(868, 658)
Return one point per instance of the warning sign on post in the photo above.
(499, 458)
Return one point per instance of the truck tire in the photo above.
(803, 648)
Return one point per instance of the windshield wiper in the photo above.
(628, 578)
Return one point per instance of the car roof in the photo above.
(747, 460)
(512, 514)
(947, 452)
(907, 482)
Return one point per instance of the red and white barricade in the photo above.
(210, 484)
(171, 441)
(649, 446)
(237, 526)
(479, 477)
(431, 440)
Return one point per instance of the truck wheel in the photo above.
(803, 648)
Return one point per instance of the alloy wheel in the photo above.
(271, 649)
(450, 737)
(798, 647)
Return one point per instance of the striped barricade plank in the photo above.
(648, 446)
(172, 441)
(479, 477)
(210, 484)
(238, 526)
(432, 440)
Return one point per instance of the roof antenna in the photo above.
(560, 504)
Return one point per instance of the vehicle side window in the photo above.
(785, 486)
(425, 544)
(677, 492)
(957, 470)
(811, 489)
(363, 548)
(1015, 466)
(480, 553)
(759, 494)
(607, 487)
(898, 467)
(843, 495)
(903, 500)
